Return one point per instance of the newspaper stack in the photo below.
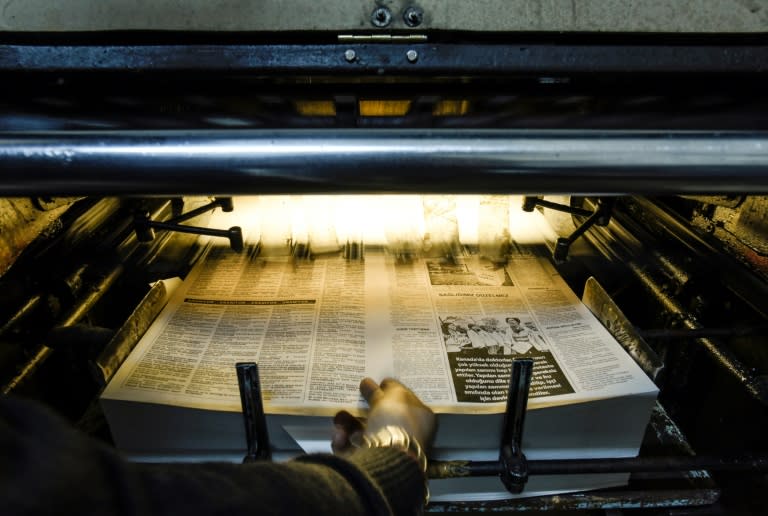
(447, 327)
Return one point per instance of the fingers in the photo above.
(345, 426)
(347, 421)
(370, 390)
(396, 390)
(391, 383)
(340, 440)
(390, 388)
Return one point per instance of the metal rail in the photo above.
(450, 469)
(517, 57)
(314, 161)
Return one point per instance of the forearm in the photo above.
(49, 467)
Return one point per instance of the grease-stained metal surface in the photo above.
(20, 223)
(668, 435)
(130, 333)
(95, 292)
(449, 469)
(614, 320)
(585, 501)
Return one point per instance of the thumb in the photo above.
(370, 391)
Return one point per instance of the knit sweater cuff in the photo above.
(397, 475)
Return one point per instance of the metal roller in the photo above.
(451, 161)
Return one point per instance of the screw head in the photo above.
(412, 56)
(381, 17)
(350, 55)
(413, 16)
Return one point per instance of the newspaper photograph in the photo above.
(480, 354)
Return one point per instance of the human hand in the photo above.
(391, 403)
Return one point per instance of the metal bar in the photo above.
(732, 273)
(75, 314)
(647, 464)
(601, 500)
(676, 333)
(447, 469)
(755, 385)
(193, 230)
(610, 315)
(257, 438)
(29, 307)
(514, 471)
(126, 338)
(517, 401)
(281, 161)
(234, 234)
(192, 214)
(452, 59)
(562, 207)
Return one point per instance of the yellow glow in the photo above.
(384, 107)
(329, 221)
(315, 107)
(451, 108)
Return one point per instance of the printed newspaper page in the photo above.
(447, 327)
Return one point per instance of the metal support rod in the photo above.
(563, 244)
(257, 438)
(677, 333)
(599, 217)
(724, 56)
(513, 464)
(755, 385)
(75, 314)
(447, 469)
(29, 307)
(529, 203)
(234, 234)
(596, 500)
(224, 203)
(126, 338)
(223, 162)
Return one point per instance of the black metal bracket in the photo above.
(145, 227)
(600, 217)
(514, 465)
(256, 435)
(353, 250)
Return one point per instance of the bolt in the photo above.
(412, 56)
(413, 16)
(350, 55)
(381, 16)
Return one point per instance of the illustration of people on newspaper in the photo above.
(455, 337)
(491, 336)
(522, 338)
(469, 273)
(480, 353)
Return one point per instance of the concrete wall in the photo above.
(348, 15)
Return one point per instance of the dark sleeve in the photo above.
(47, 467)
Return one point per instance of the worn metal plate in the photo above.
(614, 320)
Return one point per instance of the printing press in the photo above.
(645, 150)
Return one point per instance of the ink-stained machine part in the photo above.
(600, 217)
(257, 438)
(514, 465)
(145, 226)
